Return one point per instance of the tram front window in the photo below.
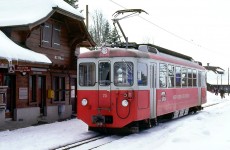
(87, 74)
(104, 74)
(123, 74)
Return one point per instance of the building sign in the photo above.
(23, 93)
(3, 93)
(22, 68)
(3, 65)
(59, 57)
(72, 91)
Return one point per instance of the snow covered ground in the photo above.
(209, 129)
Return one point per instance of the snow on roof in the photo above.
(23, 12)
(11, 51)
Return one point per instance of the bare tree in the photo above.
(101, 31)
(98, 27)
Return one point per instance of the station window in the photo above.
(33, 88)
(178, 76)
(50, 35)
(142, 74)
(87, 74)
(194, 77)
(123, 74)
(163, 75)
(59, 88)
(190, 79)
(171, 76)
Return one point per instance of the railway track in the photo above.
(90, 143)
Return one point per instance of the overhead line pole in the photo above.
(228, 80)
(87, 17)
(125, 37)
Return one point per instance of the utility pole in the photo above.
(87, 17)
(217, 80)
(228, 80)
(221, 79)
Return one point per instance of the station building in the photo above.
(39, 44)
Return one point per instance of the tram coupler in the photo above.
(99, 120)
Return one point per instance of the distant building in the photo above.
(39, 41)
(215, 80)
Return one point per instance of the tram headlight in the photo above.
(124, 103)
(84, 102)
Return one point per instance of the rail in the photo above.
(91, 143)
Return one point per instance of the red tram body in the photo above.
(118, 87)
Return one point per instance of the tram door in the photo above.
(153, 73)
(104, 84)
(199, 88)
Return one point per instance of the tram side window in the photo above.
(199, 78)
(190, 77)
(178, 76)
(123, 74)
(184, 77)
(87, 73)
(194, 77)
(171, 76)
(163, 75)
(203, 79)
(142, 73)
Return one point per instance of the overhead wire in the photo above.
(167, 31)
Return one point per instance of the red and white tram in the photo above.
(119, 87)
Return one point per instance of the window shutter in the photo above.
(46, 35)
(56, 36)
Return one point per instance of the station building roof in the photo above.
(11, 51)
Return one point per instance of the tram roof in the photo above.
(115, 52)
(133, 51)
(137, 54)
(160, 49)
(169, 52)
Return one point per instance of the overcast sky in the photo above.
(198, 28)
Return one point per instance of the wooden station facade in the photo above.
(35, 91)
